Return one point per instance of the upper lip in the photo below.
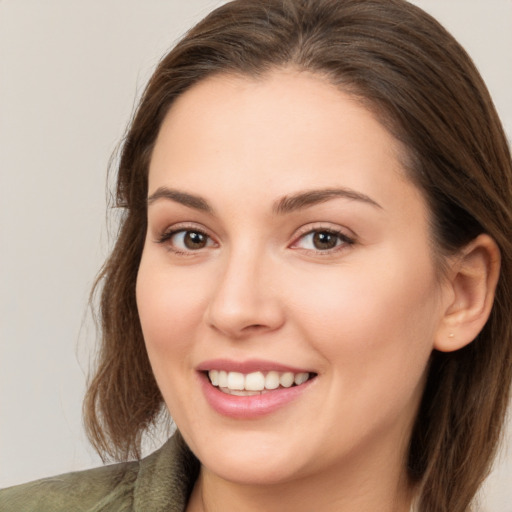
(248, 366)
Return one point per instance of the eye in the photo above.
(322, 240)
(186, 240)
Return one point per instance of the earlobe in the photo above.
(472, 284)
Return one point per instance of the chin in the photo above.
(255, 461)
(248, 472)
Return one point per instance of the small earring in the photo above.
(451, 335)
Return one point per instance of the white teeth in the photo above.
(286, 379)
(272, 380)
(223, 379)
(237, 383)
(300, 378)
(214, 377)
(254, 381)
(236, 392)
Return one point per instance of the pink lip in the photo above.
(249, 366)
(248, 407)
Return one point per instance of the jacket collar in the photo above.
(165, 478)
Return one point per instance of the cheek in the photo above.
(356, 303)
(170, 307)
(167, 302)
(373, 325)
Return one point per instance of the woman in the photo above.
(313, 272)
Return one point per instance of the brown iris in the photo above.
(324, 240)
(195, 240)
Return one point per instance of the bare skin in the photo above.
(282, 227)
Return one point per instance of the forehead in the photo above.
(280, 133)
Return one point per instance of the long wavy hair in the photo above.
(408, 70)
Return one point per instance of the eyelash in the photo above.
(166, 236)
(343, 240)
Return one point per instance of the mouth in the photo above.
(255, 383)
(252, 389)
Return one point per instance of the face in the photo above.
(287, 291)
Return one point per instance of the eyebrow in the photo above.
(184, 198)
(308, 198)
(286, 204)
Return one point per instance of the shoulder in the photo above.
(93, 489)
(160, 482)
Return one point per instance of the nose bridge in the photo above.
(244, 299)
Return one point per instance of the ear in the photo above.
(471, 281)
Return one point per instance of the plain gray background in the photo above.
(70, 71)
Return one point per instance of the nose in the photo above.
(245, 300)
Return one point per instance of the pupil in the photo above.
(324, 240)
(194, 240)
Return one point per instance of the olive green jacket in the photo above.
(161, 482)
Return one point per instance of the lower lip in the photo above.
(249, 407)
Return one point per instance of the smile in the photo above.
(255, 383)
(252, 389)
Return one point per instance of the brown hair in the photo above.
(423, 86)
